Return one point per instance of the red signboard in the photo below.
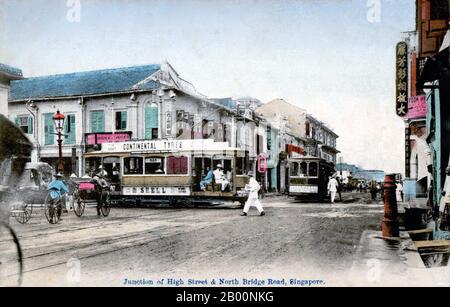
(100, 138)
(417, 107)
(294, 149)
(262, 163)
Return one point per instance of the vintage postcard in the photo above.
(241, 145)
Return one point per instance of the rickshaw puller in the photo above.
(57, 188)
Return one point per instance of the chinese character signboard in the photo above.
(417, 107)
(402, 79)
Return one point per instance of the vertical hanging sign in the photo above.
(402, 79)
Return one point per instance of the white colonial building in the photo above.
(115, 105)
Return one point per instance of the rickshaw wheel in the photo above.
(23, 213)
(11, 266)
(105, 204)
(78, 205)
(51, 211)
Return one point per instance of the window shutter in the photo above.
(170, 165)
(183, 165)
(94, 121)
(70, 130)
(151, 120)
(97, 121)
(148, 128)
(124, 120)
(17, 121)
(48, 129)
(30, 125)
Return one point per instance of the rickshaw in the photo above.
(89, 191)
(15, 150)
(32, 189)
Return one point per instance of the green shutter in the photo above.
(123, 124)
(17, 121)
(97, 121)
(48, 129)
(151, 121)
(30, 125)
(70, 135)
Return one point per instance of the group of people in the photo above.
(218, 176)
(253, 187)
(58, 187)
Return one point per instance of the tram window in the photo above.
(207, 164)
(227, 165)
(240, 166)
(294, 169)
(92, 164)
(312, 169)
(217, 162)
(133, 166)
(177, 165)
(303, 169)
(154, 166)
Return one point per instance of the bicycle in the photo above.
(11, 257)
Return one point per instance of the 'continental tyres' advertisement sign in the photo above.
(401, 102)
(150, 146)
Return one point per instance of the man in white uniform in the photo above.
(253, 187)
(220, 178)
(333, 188)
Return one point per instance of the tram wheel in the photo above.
(11, 265)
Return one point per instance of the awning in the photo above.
(434, 67)
(446, 42)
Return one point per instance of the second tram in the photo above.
(308, 178)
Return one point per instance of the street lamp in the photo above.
(58, 119)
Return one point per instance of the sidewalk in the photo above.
(383, 263)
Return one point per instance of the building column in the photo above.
(133, 119)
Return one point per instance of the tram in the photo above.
(170, 171)
(308, 178)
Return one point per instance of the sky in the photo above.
(335, 58)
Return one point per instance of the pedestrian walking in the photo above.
(399, 192)
(338, 180)
(253, 188)
(373, 190)
(332, 188)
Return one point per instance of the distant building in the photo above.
(350, 171)
(7, 74)
(317, 139)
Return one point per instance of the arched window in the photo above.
(151, 120)
(303, 169)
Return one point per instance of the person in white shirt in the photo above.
(332, 188)
(253, 201)
(220, 178)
